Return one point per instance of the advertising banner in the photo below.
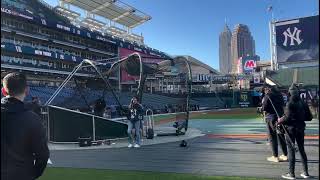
(33, 51)
(297, 39)
(244, 99)
(256, 78)
(125, 77)
(249, 63)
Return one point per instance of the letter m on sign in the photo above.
(250, 64)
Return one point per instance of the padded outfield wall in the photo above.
(68, 125)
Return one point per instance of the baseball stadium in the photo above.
(197, 123)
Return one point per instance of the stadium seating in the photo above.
(35, 8)
(74, 98)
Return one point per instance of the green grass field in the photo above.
(97, 174)
(223, 116)
(238, 113)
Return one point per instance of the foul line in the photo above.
(251, 136)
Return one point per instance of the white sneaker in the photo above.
(283, 158)
(304, 175)
(130, 146)
(288, 176)
(273, 159)
(136, 146)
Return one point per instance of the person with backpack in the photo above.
(135, 117)
(272, 106)
(296, 113)
(24, 149)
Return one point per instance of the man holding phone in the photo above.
(135, 117)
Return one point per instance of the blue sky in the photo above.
(192, 27)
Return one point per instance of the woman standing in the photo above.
(295, 115)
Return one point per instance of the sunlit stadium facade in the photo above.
(43, 42)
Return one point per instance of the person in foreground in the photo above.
(135, 117)
(24, 149)
(295, 114)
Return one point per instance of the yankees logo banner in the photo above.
(297, 39)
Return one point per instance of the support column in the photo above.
(295, 75)
(167, 82)
(173, 88)
(119, 74)
(273, 48)
(159, 84)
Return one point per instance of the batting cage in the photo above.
(96, 108)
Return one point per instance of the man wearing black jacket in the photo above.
(272, 104)
(295, 115)
(24, 149)
(135, 117)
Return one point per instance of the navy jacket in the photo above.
(135, 113)
(278, 103)
(295, 113)
(24, 149)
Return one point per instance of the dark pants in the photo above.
(298, 136)
(274, 137)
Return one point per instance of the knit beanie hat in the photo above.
(293, 90)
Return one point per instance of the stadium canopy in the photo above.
(113, 10)
(92, 23)
(71, 15)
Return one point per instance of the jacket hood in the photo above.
(293, 90)
(12, 105)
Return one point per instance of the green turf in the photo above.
(96, 174)
(225, 116)
(166, 116)
(244, 113)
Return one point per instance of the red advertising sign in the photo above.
(125, 77)
(249, 63)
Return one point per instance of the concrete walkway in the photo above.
(206, 154)
(191, 133)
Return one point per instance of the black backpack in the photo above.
(150, 133)
(183, 143)
(307, 112)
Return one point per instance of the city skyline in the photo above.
(242, 44)
(225, 63)
(191, 28)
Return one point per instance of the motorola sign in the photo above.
(249, 64)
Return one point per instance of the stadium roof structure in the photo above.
(113, 30)
(308, 76)
(199, 63)
(113, 10)
(71, 15)
(92, 23)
